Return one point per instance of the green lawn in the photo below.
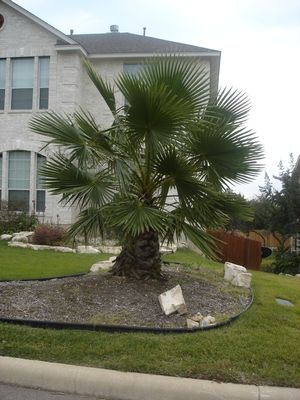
(261, 347)
(16, 263)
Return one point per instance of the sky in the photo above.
(259, 41)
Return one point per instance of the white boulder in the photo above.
(172, 301)
(242, 279)
(87, 250)
(232, 270)
(5, 237)
(237, 275)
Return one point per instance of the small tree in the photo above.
(278, 210)
(160, 170)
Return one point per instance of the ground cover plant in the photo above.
(261, 347)
(16, 263)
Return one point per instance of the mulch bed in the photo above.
(101, 298)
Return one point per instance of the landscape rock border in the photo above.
(120, 328)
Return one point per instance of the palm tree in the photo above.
(161, 169)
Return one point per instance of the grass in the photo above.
(16, 263)
(261, 347)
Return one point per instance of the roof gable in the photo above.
(39, 21)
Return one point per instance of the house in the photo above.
(41, 70)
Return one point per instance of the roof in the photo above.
(120, 43)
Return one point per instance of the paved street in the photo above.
(8, 392)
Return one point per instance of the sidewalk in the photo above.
(116, 385)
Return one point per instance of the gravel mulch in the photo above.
(101, 298)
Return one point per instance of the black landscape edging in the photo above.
(119, 328)
(44, 279)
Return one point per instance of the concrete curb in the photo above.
(114, 385)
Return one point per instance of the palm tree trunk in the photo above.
(139, 258)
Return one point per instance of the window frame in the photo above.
(36, 92)
(34, 186)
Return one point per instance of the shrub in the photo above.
(49, 234)
(13, 221)
(286, 262)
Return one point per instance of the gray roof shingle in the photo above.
(114, 43)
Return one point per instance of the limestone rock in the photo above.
(242, 279)
(182, 309)
(232, 270)
(87, 250)
(19, 239)
(23, 233)
(197, 317)
(191, 324)
(207, 321)
(18, 244)
(5, 237)
(110, 249)
(60, 249)
(102, 265)
(172, 300)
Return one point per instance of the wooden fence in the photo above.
(238, 249)
(266, 239)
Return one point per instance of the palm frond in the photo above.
(77, 186)
(135, 217)
(90, 223)
(104, 88)
(173, 170)
(201, 239)
(224, 154)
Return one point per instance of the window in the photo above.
(22, 83)
(43, 82)
(40, 191)
(2, 83)
(19, 180)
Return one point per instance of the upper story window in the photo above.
(22, 83)
(2, 83)
(28, 83)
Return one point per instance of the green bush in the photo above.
(286, 262)
(50, 235)
(12, 221)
